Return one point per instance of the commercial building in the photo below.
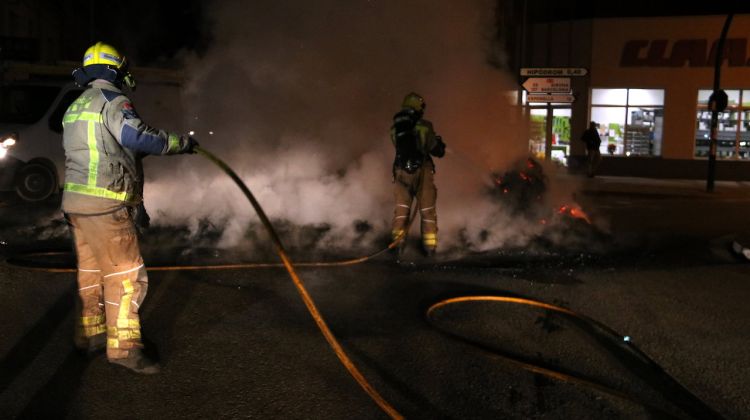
(647, 82)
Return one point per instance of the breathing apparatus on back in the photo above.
(103, 61)
(405, 137)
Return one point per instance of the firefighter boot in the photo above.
(429, 251)
(91, 346)
(429, 243)
(397, 252)
(398, 234)
(138, 362)
(90, 338)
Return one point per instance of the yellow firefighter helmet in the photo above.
(414, 101)
(105, 54)
(101, 53)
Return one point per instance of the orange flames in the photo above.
(574, 211)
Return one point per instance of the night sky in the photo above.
(148, 32)
(152, 32)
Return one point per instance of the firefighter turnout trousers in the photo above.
(420, 184)
(112, 280)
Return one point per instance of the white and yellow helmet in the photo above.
(105, 54)
(101, 53)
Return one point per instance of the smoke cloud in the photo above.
(299, 98)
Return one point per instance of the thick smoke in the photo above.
(299, 98)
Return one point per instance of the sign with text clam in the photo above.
(547, 85)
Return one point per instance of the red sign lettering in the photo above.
(690, 52)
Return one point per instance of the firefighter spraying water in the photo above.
(105, 141)
(413, 171)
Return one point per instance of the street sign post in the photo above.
(547, 98)
(547, 85)
(554, 71)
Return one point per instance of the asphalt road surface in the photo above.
(240, 344)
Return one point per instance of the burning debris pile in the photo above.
(521, 189)
(530, 218)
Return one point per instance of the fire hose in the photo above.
(687, 401)
(319, 321)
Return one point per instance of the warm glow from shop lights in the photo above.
(10, 141)
(3, 152)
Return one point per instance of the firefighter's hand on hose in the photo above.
(191, 145)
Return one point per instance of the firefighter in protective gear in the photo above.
(413, 171)
(105, 141)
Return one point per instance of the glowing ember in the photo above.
(574, 212)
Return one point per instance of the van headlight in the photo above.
(6, 143)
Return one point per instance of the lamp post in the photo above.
(717, 103)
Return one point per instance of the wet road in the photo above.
(240, 344)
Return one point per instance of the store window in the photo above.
(630, 121)
(732, 131)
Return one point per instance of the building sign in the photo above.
(547, 98)
(690, 52)
(553, 71)
(547, 85)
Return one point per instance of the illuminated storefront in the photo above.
(647, 86)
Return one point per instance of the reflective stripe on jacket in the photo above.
(104, 141)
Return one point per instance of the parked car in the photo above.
(32, 160)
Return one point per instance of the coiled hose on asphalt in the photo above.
(669, 386)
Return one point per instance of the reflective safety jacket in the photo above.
(104, 141)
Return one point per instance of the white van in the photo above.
(32, 160)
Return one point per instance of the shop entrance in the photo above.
(549, 132)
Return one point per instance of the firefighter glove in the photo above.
(439, 149)
(191, 145)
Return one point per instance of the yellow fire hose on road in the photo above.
(688, 402)
(319, 321)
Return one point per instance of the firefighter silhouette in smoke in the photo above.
(105, 141)
(413, 171)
